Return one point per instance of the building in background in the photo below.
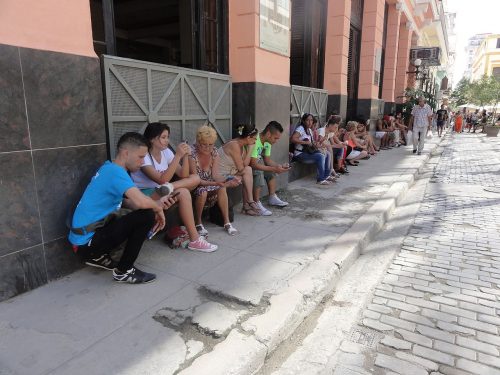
(470, 51)
(75, 75)
(486, 60)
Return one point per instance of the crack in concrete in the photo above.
(181, 321)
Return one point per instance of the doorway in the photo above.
(184, 33)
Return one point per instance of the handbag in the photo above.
(429, 134)
(409, 137)
(310, 149)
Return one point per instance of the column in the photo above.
(371, 44)
(53, 135)
(261, 78)
(336, 55)
(405, 40)
(391, 55)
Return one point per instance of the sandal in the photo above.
(324, 182)
(353, 164)
(251, 209)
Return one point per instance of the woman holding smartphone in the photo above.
(159, 167)
(204, 162)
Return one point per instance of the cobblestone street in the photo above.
(438, 304)
(436, 309)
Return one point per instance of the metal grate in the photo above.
(363, 336)
(139, 92)
(308, 100)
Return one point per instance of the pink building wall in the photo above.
(247, 61)
(51, 25)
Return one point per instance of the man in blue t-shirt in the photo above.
(93, 236)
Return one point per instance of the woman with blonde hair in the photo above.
(204, 162)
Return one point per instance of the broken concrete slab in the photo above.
(216, 319)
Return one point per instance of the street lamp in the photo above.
(421, 74)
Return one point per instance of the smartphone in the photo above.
(151, 234)
(176, 193)
(229, 178)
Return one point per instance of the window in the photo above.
(190, 34)
(496, 71)
(498, 42)
(307, 53)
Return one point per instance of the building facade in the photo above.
(74, 74)
(486, 60)
(470, 52)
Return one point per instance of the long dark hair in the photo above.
(153, 130)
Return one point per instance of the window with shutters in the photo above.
(353, 58)
(190, 34)
(308, 32)
(384, 43)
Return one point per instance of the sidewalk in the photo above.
(216, 313)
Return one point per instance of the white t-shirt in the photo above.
(321, 132)
(303, 136)
(144, 182)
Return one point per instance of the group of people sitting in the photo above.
(470, 121)
(126, 199)
(332, 148)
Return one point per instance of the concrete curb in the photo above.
(261, 334)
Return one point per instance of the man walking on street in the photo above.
(420, 122)
(442, 117)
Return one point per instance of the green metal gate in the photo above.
(138, 92)
(308, 100)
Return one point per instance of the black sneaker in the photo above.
(419, 153)
(133, 276)
(414, 151)
(104, 262)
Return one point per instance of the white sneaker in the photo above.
(202, 245)
(201, 230)
(230, 229)
(263, 211)
(275, 201)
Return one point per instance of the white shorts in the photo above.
(353, 154)
(379, 135)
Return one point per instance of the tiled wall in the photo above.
(52, 139)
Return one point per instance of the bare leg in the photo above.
(186, 213)
(362, 155)
(247, 185)
(190, 183)
(271, 186)
(199, 204)
(223, 203)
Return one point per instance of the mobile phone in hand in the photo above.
(229, 178)
(151, 234)
(176, 193)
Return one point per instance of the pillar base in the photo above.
(337, 104)
(370, 108)
(260, 103)
(389, 107)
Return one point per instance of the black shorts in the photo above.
(440, 124)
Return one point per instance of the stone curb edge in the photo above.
(244, 351)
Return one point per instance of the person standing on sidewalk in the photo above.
(98, 225)
(420, 122)
(264, 169)
(442, 117)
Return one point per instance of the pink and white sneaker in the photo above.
(202, 245)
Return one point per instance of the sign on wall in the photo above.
(275, 26)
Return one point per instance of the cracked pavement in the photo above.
(85, 323)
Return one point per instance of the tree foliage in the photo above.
(485, 91)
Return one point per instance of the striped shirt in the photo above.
(421, 115)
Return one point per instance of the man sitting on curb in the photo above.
(420, 122)
(264, 169)
(97, 226)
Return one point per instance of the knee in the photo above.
(247, 170)
(146, 217)
(184, 194)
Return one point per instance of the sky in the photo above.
(473, 17)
